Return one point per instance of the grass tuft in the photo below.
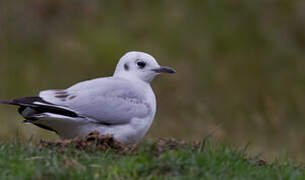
(159, 159)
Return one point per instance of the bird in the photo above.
(123, 105)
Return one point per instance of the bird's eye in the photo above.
(141, 64)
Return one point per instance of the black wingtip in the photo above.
(6, 102)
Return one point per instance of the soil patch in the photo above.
(92, 142)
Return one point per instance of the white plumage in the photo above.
(123, 105)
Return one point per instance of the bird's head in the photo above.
(140, 65)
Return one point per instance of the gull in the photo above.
(123, 105)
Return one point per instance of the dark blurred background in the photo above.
(240, 64)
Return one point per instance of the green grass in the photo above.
(213, 161)
(239, 63)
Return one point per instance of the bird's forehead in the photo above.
(135, 56)
(138, 55)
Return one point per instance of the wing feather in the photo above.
(105, 100)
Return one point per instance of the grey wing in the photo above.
(105, 100)
(114, 106)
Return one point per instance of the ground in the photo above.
(101, 157)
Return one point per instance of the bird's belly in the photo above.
(129, 133)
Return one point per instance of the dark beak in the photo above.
(164, 69)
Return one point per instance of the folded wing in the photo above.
(106, 100)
